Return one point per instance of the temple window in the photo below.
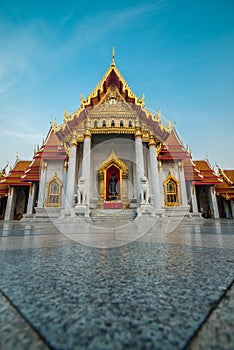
(121, 124)
(95, 124)
(130, 123)
(104, 123)
(171, 191)
(113, 123)
(54, 187)
(112, 101)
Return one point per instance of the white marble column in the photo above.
(139, 162)
(194, 198)
(70, 191)
(42, 184)
(86, 162)
(232, 208)
(10, 204)
(214, 202)
(154, 174)
(31, 198)
(183, 192)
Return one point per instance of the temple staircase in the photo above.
(115, 216)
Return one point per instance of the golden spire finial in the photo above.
(169, 125)
(55, 124)
(3, 171)
(113, 56)
(17, 157)
(159, 116)
(35, 150)
(143, 99)
(82, 99)
(207, 157)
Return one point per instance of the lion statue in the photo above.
(144, 190)
(82, 191)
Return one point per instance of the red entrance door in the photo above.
(113, 184)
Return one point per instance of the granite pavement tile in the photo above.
(144, 295)
(15, 332)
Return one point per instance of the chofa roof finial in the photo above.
(113, 56)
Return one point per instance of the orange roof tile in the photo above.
(229, 174)
(53, 148)
(191, 173)
(14, 178)
(209, 176)
(226, 189)
(32, 173)
(173, 148)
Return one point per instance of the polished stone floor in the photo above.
(117, 288)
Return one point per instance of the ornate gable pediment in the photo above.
(112, 104)
(113, 159)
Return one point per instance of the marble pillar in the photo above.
(154, 174)
(86, 162)
(139, 162)
(42, 184)
(10, 204)
(31, 198)
(194, 199)
(70, 191)
(232, 208)
(183, 192)
(214, 204)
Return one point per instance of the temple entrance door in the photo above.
(113, 184)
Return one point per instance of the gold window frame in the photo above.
(177, 202)
(49, 193)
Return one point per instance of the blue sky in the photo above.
(179, 53)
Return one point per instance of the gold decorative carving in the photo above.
(177, 201)
(138, 133)
(112, 103)
(88, 134)
(113, 159)
(48, 202)
(158, 148)
(152, 142)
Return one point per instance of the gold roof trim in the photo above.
(139, 102)
(224, 176)
(113, 158)
(131, 94)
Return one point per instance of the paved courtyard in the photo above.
(170, 288)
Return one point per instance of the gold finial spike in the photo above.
(143, 99)
(190, 151)
(113, 56)
(17, 157)
(169, 125)
(55, 124)
(43, 141)
(82, 99)
(35, 150)
(207, 157)
(159, 116)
